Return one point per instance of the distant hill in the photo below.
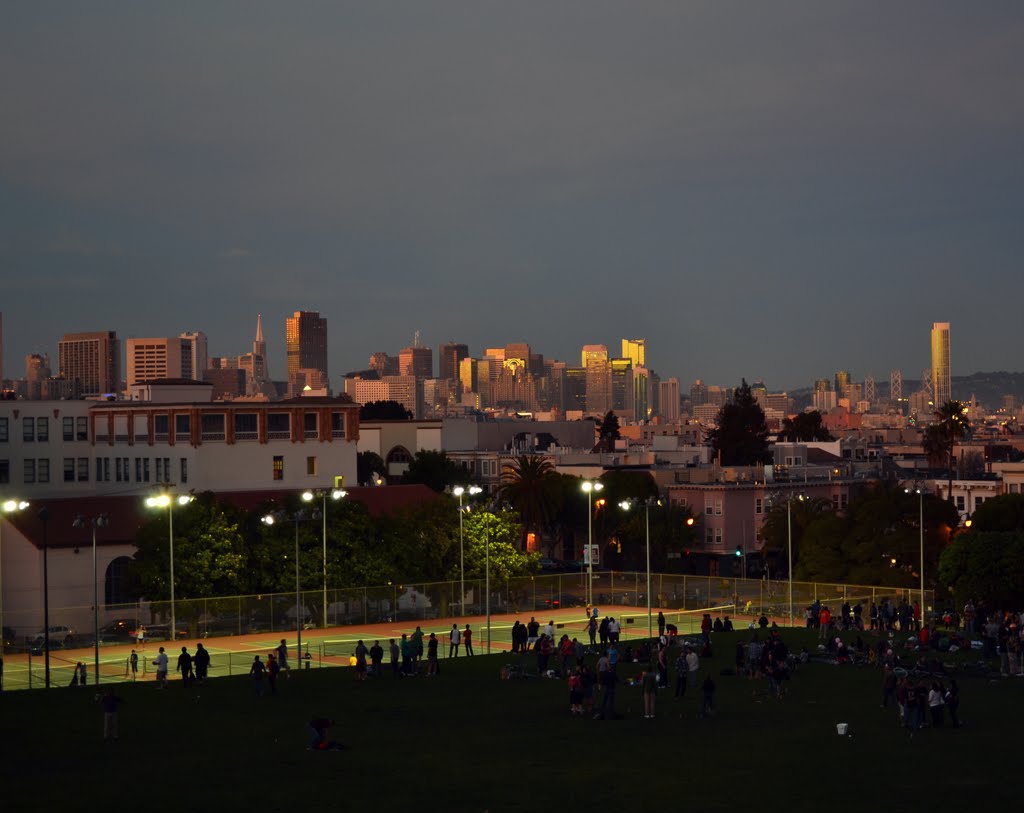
(988, 388)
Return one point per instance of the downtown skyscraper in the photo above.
(942, 389)
(306, 338)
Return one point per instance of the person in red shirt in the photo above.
(467, 639)
(823, 622)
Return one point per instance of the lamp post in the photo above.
(7, 507)
(626, 505)
(335, 494)
(590, 486)
(168, 501)
(920, 522)
(789, 547)
(458, 491)
(100, 521)
(297, 517)
(44, 517)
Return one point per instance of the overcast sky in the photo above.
(770, 190)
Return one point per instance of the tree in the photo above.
(209, 553)
(384, 411)
(435, 470)
(949, 426)
(368, 464)
(806, 427)
(741, 438)
(529, 486)
(608, 432)
(1003, 513)
(985, 564)
(493, 536)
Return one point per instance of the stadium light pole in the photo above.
(8, 507)
(920, 522)
(626, 505)
(168, 501)
(789, 547)
(589, 487)
(297, 517)
(99, 521)
(458, 491)
(44, 517)
(335, 494)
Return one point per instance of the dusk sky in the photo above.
(769, 190)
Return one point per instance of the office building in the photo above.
(194, 354)
(384, 364)
(91, 362)
(622, 387)
(156, 358)
(416, 361)
(449, 357)
(668, 398)
(306, 337)
(636, 351)
(942, 390)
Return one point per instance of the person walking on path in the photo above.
(257, 670)
(456, 639)
(467, 639)
(282, 658)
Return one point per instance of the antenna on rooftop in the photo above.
(416, 339)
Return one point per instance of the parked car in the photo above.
(162, 632)
(58, 633)
(120, 629)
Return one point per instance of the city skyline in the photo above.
(776, 195)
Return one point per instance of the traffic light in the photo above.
(739, 551)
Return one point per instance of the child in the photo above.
(709, 695)
(575, 693)
(649, 684)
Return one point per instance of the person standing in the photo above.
(456, 639)
(692, 667)
(257, 670)
(394, 652)
(432, 666)
(467, 639)
(201, 661)
(161, 669)
(133, 664)
(417, 644)
(708, 706)
(952, 699)
(110, 703)
(273, 668)
(377, 658)
(140, 636)
(705, 629)
(935, 705)
(649, 685)
(613, 631)
(83, 673)
(592, 630)
(661, 624)
(663, 666)
(185, 667)
(282, 658)
(681, 672)
(361, 653)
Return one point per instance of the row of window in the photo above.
(76, 469)
(37, 430)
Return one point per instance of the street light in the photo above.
(168, 501)
(335, 494)
(297, 517)
(100, 521)
(590, 486)
(920, 495)
(8, 507)
(789, 546)
(458, 491)
(626, 505)
(44, 517)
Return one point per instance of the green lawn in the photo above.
(469, 741)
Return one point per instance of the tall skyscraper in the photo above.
(384, 364)
(622, 387)
(93, 360)
(449, 357)
(942, 390)
(669, 399)
(842, 382)
(306, 337)
(636, 351)
(194, 354)
(599, 379)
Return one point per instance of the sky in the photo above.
(765, 190)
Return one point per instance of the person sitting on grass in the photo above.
(318, 729)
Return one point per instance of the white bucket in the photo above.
(841, 729)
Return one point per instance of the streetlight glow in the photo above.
(589, 487)
(458, 491)
(166, 500)
(9, 507)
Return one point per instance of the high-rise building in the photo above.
(384, 364)
(622, 387)
(642, 407)
(636, 351)
(156, 358)
(599, 379)
(93, 360)
(698, 393)
(669, 399)
(575, 390)
(942, 390)
(194, 354)
(449, 357)
(416, 361)
(842, 382)
(1, 348)
(306, 337)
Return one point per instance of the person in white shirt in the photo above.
(692, 667)
(161, 669)
(549, 630)
(456, 638)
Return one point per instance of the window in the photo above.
(28, 430)
(115, 586)
(835, 502)
(758, 505)
(145, 469)
(3, 430)
(338, 424)
(710, 537)
(43, 470)
(138, 469)
(278, 467)
(309, 424)
(310, 466)
(842, 501)
(5, 471)
(43, 430)
(977, 502)
(960, 502)
(160, 425)
(718, 536)
(184, 470)
(718, 508)
(69, 469)
(279, 425)
(709, 509)
(83, 469)
(182, 425)
(68, 428)
(246, 426)
(159, 469)
(119, 472)
(212, 427)
(1014, 488)
(82, 428)
(30, 472)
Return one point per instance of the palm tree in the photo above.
(528, 485)
(940, 437)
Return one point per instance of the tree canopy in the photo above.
(806, 427)
(741, 438)
(384, 411)
(435, 470)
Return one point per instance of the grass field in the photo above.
(467, 740)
